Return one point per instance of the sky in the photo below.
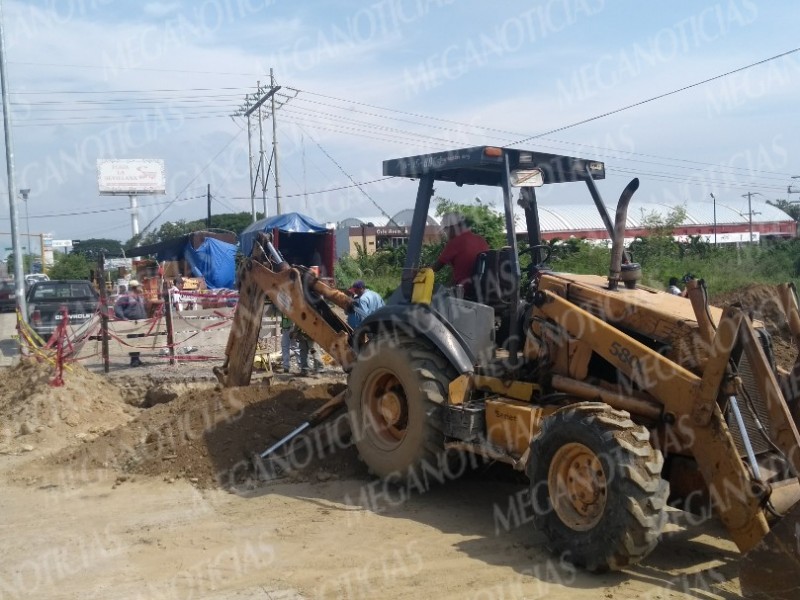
(365, 82)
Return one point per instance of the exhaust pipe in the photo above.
(614, 273)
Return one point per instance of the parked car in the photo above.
(8, 295)
(46, 299)
(32, 278)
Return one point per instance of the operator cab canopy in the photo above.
(485, 165)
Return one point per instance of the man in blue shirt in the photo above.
(131, 307)
(365, 302)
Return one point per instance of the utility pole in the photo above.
(261, 157)
(789, 192)
(25, 193)
(749, 195)
(208, 199)
(305, 184)
(715, 218)
(19, 275)
(250, 163)
(275, 145)
(252, 104)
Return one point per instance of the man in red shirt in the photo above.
(461, 250)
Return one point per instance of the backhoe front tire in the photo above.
(596, 487)
(396, 391)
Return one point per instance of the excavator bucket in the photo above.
(771, 570)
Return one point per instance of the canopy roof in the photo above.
(485, 165)
(292, 222)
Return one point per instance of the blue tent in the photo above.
(290, 222)
(215, 261)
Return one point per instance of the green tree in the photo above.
(27, 262)
(235, 222)
(92, 247)
(167, 231)
(658, 243)
(480, 217)
(382, 270)
(70, 266)
(790, 208)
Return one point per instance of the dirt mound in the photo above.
(762, 303)
(36, 415)
(760, 300)
(208, 436)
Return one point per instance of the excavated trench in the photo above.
(191, 429)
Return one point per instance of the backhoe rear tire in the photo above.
(596, 487)
(395, 395)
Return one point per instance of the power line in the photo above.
(350, 103)
(139, 91)
(706, 174)
(224, 204)
(355, 183)
(326, 190)
(349, 108)
(123, 103)
(105, 68)
(683, 179)
(113, 119)
(97, 211)
(654, 98)
(192, 180)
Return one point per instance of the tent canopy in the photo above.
(215, 261)
(208, 257)
(289, 222)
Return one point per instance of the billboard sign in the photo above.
(129, 177)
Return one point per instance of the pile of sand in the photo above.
(36, 415)
(208, 436)
(759, 300)
(762, 303)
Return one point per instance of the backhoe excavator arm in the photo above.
(299, 295)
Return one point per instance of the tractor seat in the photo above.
(495, 282)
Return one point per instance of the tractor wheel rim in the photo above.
(386, 409)
(578, 486)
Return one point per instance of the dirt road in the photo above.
(89, 537)
(100, 501)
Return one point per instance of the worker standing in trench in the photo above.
(130, 307)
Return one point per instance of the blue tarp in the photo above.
(215, 261)
(291, 222)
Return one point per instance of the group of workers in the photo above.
(364, 302)
(460, 252)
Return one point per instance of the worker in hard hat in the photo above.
(131, 307)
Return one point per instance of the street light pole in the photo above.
(715, 218)
(19, 280)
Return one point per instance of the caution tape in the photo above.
(36, 345)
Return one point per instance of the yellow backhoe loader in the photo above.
(613, 397)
